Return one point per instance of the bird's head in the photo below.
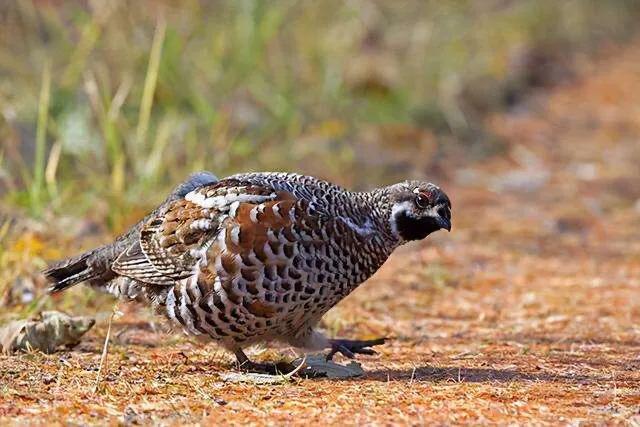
(417, 210)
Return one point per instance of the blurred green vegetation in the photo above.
(106, 104)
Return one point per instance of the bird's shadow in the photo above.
(439, 374)
(456, 374)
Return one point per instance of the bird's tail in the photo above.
(69, 272)
(95, 265)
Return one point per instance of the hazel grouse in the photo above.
(259, 257)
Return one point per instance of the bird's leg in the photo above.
(246, 365)
(350, 348)
(242, 361)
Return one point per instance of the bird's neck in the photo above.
(375, 206)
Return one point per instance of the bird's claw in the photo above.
(350, 348)
(280, 368)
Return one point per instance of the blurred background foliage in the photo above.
(104, 105)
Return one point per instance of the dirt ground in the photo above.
(526, 313)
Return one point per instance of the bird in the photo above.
(259, 257)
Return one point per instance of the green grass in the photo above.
(110, 103)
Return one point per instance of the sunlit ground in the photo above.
(526, 312)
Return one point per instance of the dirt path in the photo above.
(527, 312)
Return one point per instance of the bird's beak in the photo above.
(444, 223)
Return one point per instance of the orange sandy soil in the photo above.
(527, 312)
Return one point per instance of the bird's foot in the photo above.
(279, 368)
(350, 348)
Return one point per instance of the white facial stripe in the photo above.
(397, 208)
(433, 211)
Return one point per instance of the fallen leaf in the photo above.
(46, 333)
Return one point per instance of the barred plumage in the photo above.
(262, 256)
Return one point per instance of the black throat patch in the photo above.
(411, 228)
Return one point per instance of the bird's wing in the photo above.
(175, 240)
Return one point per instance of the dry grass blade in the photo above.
(105, 349)
(41, 134)
(52, 167)
(302, 365)
(150, 81)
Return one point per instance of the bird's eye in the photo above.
(422, 201)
